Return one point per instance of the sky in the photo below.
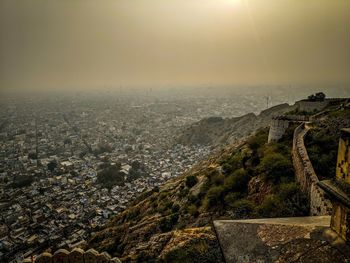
(58, 44)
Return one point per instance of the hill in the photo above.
(217, 131)
(247, 179)
(173, 223)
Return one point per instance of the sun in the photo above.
(233, 2)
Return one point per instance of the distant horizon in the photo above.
(88, 44)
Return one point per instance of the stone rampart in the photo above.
(280, 124)
(311, 106)
(306, 176)
(77, 255)
(277, 129)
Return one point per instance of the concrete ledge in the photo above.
(295, 239)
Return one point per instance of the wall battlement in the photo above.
(306, 176)
(77, 255)
(280, 124)
(311, 106)
(277, 129)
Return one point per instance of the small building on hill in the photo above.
(313, 103)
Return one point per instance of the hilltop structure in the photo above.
(314, 102)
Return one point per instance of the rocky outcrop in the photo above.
(218, 131)
(77, 255)
(295, 239)
(306, 176)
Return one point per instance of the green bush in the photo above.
(214, 196)
(234, 162)
(110, 176)
(243, 208)
(167, 223)
(231, 198)
(322, 149)
(175, 208)
(191, 181)
(237, 182)
(258, 139)
(275, 166)
(192, 210)
(289, 201)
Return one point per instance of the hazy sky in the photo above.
(84, 43)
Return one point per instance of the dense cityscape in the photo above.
(52, 151)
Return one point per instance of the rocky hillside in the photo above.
(173, 223)
(217, 131)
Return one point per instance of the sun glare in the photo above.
(234, 2)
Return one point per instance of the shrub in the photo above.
(183, 192)
(214, 196)
(237, 182)
(191, 181)
(243, 208)
(192, 210)
(258, 139)
(167, 223)
(194, 199)
(230, 198)
(322, 150)
(287, 202)
(232, 163)
(175, 208)
(110, 176)
(275, 166)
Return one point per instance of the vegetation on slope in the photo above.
(322, 142)
(171, 223)
(110, 175)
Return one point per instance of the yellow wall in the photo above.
(339, 221)
(343, 162)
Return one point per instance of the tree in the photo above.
(275, 166)
(32, 155)
(52, 165)
(237, 182)
(214, 196)
(191, 181)
(110, 176)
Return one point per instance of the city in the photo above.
(53, 149)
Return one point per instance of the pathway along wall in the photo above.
(306, 176)
(77, 255)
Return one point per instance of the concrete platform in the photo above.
(294, 239)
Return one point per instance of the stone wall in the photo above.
(77, 255)
(279, 125)
(277, 129)
(306, 176)
(311, 106)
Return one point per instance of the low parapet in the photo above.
(294, 239)
(77, 255)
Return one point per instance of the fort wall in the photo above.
(311, 106)
(277, 129)
(279, 125)
(77, 255)
(306, 176)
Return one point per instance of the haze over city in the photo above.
(174, 131)
(79, 44)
